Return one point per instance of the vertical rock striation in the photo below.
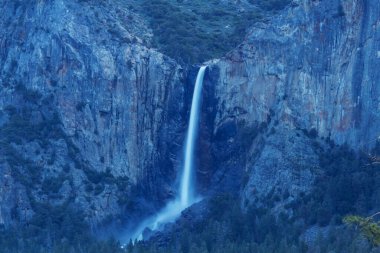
(92, 117)
(116, 105)
(312, 67)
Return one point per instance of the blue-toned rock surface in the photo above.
(93, 117)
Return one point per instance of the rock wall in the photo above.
(117, 105)
(111, 111)
(312, 67)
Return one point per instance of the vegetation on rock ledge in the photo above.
(196, 31)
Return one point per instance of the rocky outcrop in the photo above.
(92, 117)
(85, 72)
(311, 67)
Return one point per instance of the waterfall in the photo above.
(186, 194)
(187, 187)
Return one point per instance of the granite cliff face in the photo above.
(103, 104)
(92, 117)
(307, 72)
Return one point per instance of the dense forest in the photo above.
(347, 186)
(197, 31)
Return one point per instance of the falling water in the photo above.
(186, 191)
(187, 187)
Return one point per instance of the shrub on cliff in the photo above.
(369, 228)
(195, 31)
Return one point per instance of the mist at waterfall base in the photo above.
(186, 194)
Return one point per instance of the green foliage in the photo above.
(13, 241)
(229, 229)
(369, 228)
(98, 180)
(52, 227)
(55, 229)
(195, 31)
(346, 184)
(22, 128)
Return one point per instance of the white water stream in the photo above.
(186, 194)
